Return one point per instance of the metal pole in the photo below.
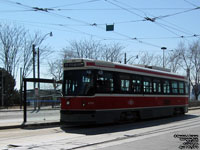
(34, 75)
(163, 48)
(163, 58)
(25, 106)
(21, 84)
(34, 63)
(188, 75)
(124, 58)
(38, 67)
(2, 86)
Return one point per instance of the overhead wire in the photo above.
(17, 4)
(174, 28)
(13, 11)
(49, 11)
(177, 13)
(84, 22)
(115, 9)
(154, 19)
(72, 4)
(73, 30)
(190, 3)
(146, 18)
(124, 9)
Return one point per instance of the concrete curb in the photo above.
(31, 125)
(193, 108)
(16, 110)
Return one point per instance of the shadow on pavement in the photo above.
(111, 128)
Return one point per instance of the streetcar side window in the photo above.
(136, 84)
(166, 87)
(174, 87)
(124, 82)
(156, 86)
(181, 87)
(104, 82)
(147, 85)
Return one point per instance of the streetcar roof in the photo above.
(115, 66)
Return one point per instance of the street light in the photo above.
(38, 61)
(38, 54)
(163, 48)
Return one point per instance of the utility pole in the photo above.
(38, 65)
(33, 47)
(188, 76)
(34, 64)
(21, 86)
(38, 70)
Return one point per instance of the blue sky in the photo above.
(140, 25)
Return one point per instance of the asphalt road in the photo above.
(157, 134)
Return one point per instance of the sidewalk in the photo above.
(10, 119)
(13, 118)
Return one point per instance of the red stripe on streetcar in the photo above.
(90, 63)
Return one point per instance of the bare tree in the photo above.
(11, 41)
(191, 61)
(146, 59)
(93, 50)
(16, 48)
(83, 49)
(112, 52)
(56, 69)
(174, 61)
(27, 48)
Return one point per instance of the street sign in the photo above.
(110, 27)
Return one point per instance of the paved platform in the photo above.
(13, 118)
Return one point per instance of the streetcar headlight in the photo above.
(67, 102)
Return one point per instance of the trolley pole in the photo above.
(124, 58)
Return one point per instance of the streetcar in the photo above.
(96, 92)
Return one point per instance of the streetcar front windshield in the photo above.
(78, 83)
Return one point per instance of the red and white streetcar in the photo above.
(104, 92)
